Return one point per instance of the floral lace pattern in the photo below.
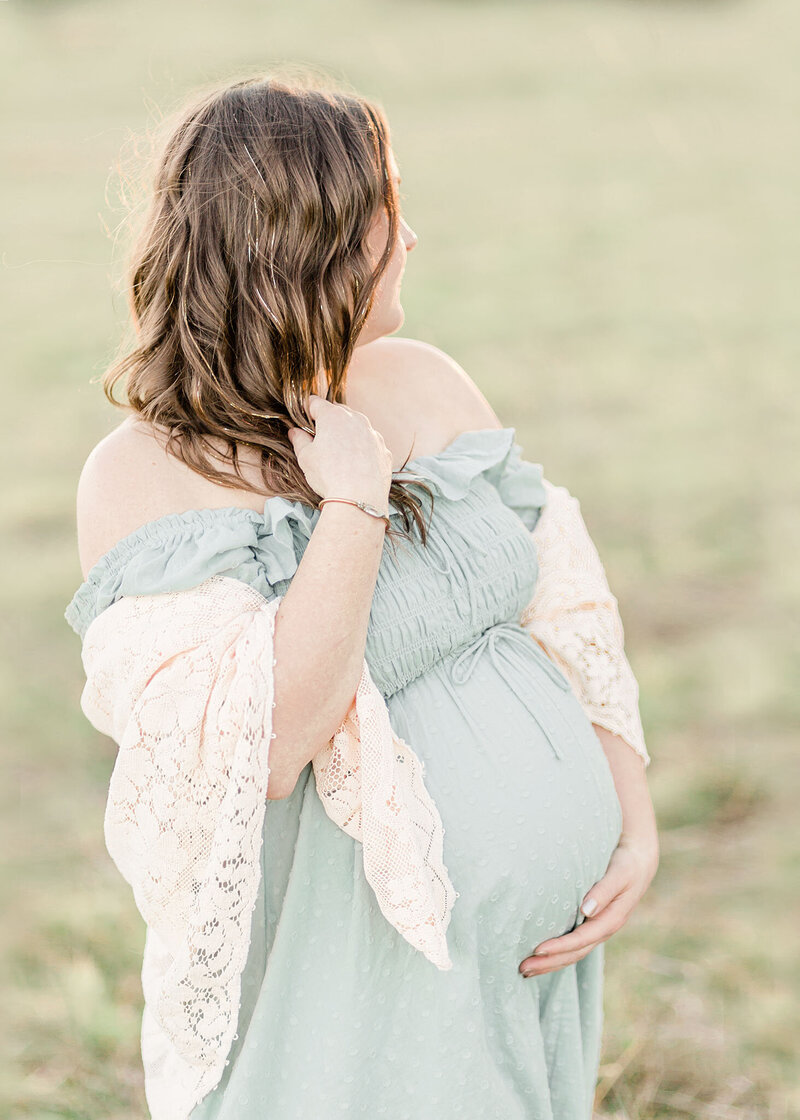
(183, 683)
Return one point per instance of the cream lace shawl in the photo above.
(183, 682)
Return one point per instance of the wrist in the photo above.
(378, 513)
(643, 843)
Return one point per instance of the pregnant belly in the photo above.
(524, 790)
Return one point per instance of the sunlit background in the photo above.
(606, 197)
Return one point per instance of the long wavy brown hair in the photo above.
(250, 274)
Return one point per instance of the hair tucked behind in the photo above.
(251, 274)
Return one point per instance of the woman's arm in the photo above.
(639, 830)
(320, 638)
(321, 625)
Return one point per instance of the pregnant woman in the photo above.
(380, 789)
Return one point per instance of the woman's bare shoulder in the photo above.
(129, 478)
(410, 388)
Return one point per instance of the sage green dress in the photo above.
(340, 1016)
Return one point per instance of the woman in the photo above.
(263, 293)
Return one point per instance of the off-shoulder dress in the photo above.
(340, 1016)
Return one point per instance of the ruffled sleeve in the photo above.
(491, 453)
(181, 550)
(520, 485)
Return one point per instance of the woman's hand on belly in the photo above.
(633, 863)
(630, 871)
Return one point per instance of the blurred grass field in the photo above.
(606, 196)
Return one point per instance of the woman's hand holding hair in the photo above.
(346, 457)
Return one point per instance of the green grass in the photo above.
(606, 196)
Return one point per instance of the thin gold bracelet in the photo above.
(371, 510)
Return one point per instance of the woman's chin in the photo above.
(391, 321)
(398, 318)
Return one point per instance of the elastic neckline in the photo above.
(471, 432)
(169, 520)
(276, 509)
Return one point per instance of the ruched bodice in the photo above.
(478, 568)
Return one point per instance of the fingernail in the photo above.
(528, 975)
(589, 906)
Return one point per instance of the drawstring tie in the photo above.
(464, 665)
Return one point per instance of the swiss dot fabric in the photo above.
(340, 1016)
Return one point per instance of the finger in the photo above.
(613, 883)
(299, 439)
(602, 891)
(538, 965)
(589, 932)
(316, 404)
(573, 944)
(553, 964)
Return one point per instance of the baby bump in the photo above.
(524, 790)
